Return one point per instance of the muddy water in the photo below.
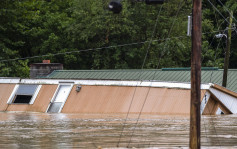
(41, 130)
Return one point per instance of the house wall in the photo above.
(230, 101)
(117, 99)
(5, 93)
(106, 99)
(212, 106)
(41, 102)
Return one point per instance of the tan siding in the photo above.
(43, 99)
(107, 99)
(116, 99)
(18, 107)
(5, 93)
(41, 102)
(211, 107)
(224, 109)
(98, 99)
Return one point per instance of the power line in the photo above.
(218, 31)
(212, 41)
(101, 48)
(227, 10)
(211, 76)
(218, 11)
(180, 6)
(153, 33)
(92, 49)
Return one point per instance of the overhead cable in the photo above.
(227, 10)
(153, 33)
(100, 48)
(91, 49)
(218, 11)
(180, 6)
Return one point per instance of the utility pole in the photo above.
(195, 116)
(227, 52)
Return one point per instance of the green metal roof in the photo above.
(182, 75)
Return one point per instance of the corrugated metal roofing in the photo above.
(208, 76)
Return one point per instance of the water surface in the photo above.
(42, 130)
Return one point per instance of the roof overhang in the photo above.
(146, 83)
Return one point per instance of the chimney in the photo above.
(41, 70)
(46, 61)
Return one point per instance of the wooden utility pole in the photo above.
(195, 116)
(227, 52)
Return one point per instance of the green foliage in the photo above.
(45, 27)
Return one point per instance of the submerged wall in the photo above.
(163, 98)
(117, 99)
(5, 93)
(40, 104)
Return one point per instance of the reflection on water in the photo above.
(42, 130)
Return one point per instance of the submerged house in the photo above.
(112, 91)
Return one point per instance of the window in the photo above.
(22, 99)
(24, 94)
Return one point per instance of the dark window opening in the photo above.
(222, 112)
(24, 94)
(23, 99)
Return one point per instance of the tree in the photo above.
(10, 41)
(79, 30)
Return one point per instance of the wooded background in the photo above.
(84, 34)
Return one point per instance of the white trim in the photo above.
(32, 98)
(115, 83)
(51, 101)
(59, 111)
(35, 95)
(13, 94)
(229, 101)
(56, 93)
(218, 112)
(9, 80)
(205, 101)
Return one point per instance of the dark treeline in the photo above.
(54, 29)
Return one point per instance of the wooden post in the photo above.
(194, 137)
(227, 52)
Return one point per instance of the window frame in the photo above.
(56, 93)
(32, 100)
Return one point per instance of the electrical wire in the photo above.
(218, 11)
(214, 62)
(209, 97)
(153, 33)
(86, 50)
(213, 125)
(100, 48)
(212, 41)
(180, 6)
(211, 81)
(227, 10)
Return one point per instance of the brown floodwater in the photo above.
(66, 131)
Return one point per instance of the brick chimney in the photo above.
(46, 61)
(41, 70)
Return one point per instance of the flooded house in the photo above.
(161, 92)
